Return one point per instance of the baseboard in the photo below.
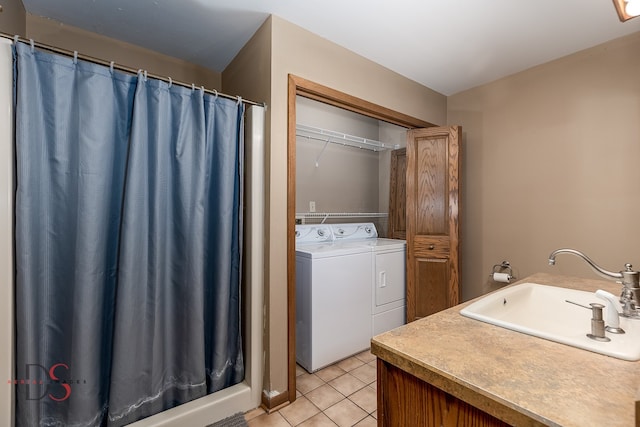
(274, 403)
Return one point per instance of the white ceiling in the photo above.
(446, 45)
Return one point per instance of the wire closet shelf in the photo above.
(327, 136)
(321, 217)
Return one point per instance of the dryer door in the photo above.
(390, 277)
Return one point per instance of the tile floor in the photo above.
(342, 395)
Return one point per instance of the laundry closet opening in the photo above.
(349, 185)
(350, 280)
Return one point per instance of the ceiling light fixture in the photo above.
(627, 9)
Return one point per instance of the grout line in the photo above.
(367, 384)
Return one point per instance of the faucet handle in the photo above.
(630, 277)
(613, 319)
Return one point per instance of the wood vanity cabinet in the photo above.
(432, 229)
(407, 401)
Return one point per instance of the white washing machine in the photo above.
(333, 295)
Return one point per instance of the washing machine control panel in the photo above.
(313, 233)
(328, 233)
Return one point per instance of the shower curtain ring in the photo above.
(170, 82)
(33, 46)
(111, 64)
(75, 57)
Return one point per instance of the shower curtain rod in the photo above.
(120, 67)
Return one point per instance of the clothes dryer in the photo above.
(388, 303)
(389, 284)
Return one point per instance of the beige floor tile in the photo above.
(350, 363)
(249, 415)
(347, 384)
(345, 413)
(366, 399)
(307, 382)
(269, 420)
(366, 356)
(300, 370)
(300, 410)
(320, 420)
(324, 396)
(368, 422)
(330, 372)
(365, 373)
(325, 390)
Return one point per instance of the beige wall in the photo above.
(249, 75)
(345, 179)
(550, 160)
(13, 18)
(53, 33)
(299, 52)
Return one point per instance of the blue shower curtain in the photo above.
(128, 243)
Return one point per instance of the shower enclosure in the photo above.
(202, 411)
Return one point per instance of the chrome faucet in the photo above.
(629, 278)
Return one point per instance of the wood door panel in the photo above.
(398, 195)
(431, 279)
(431, 193)
(432, 188)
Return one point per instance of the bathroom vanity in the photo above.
(450, 370)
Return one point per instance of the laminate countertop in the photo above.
(520, 379)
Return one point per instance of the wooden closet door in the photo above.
(432, 188)
(398, 195)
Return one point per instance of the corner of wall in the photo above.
(249, 73)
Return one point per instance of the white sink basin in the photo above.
(542, 311)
